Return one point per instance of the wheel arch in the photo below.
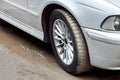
(45, 18)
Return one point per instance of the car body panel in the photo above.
(21, 3)
(104, 48)
(27, 15)
(20, 18)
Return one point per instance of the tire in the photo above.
(68, 42)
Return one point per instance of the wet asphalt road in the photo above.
(23, 57)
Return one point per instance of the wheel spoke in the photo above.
(59, 34)
(70, 53)
(67, 56)
(62, 27)
(57, 38)
(61, 51)
(67, 32)
(69, 41)
(59, 23)
(59, 44)
(70, 46)
(64, 55)
(59, 30)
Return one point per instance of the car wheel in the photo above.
(68, 43)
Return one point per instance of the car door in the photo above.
(33, 5)
(21, 12)
(15, 9)
(18, 3)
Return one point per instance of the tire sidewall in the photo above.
(59, 15)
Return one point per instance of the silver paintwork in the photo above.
(107, 37)
(63, 42)
(104, 47)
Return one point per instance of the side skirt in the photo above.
(30, 30)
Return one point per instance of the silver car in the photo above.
(83, 33)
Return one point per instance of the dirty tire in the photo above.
(80, 61)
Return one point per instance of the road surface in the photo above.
(23, 57)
